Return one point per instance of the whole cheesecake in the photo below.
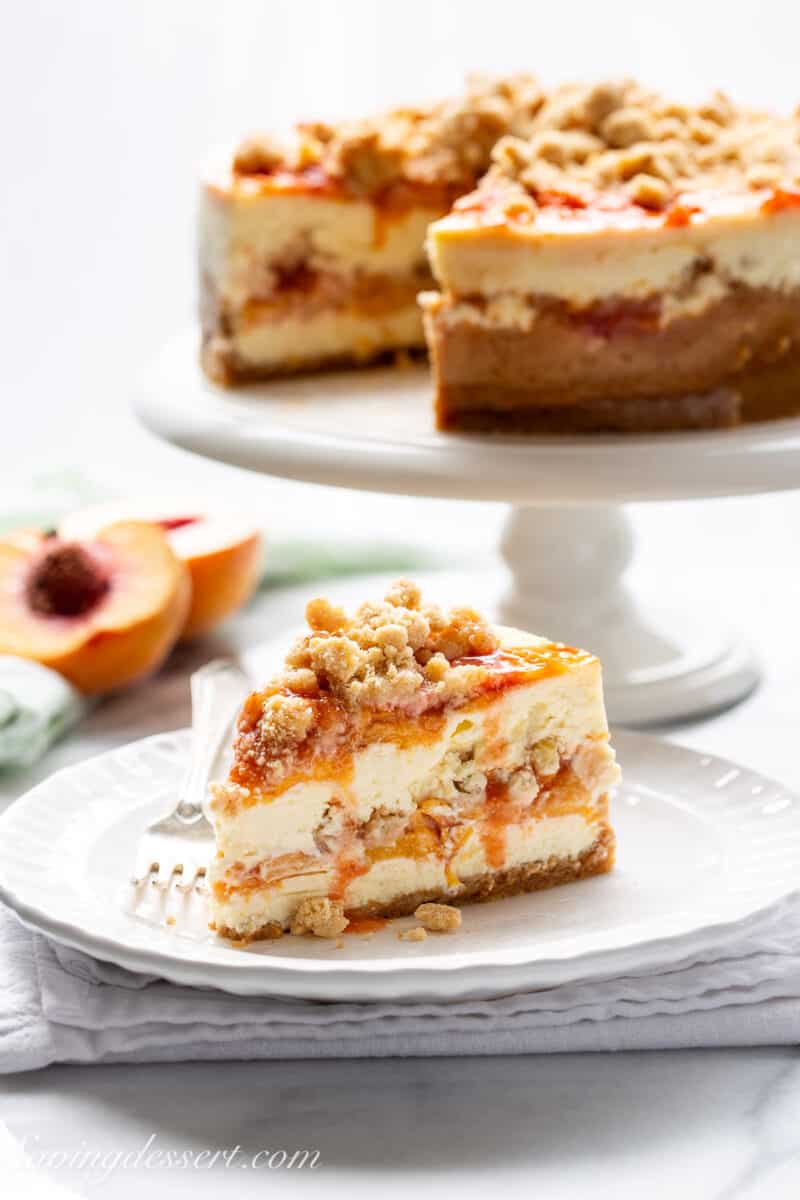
(599, 257)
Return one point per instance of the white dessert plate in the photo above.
(703, 845)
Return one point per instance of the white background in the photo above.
(107, 109)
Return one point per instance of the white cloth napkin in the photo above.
(58, 1005)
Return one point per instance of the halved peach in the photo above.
(103, 612)
(222, 551)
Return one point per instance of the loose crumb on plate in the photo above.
(417, 934)
(439, 918)
(320, 916)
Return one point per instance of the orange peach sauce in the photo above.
(422, 839)
(499, 814)
(345, 871)
(562, 795)
(306, 181)
(780, 200)
(335, 725)
(401, 198)
(393, 201)
(366, 924)
(612, 210)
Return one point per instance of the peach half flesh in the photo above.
(222, 552)
(102, 612)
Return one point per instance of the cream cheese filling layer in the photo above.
(241, 234)
(324, 335)
(583, 263)
(533, 841)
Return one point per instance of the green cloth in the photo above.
(36, 706)
(303, 560)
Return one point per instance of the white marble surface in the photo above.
(698, 1125)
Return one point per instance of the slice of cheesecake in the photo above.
(312, 251)
(404, 755)
(633, 264)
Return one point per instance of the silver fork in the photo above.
(180, 844)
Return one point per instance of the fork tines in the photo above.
(185, 880)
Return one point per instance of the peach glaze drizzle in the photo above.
(596, 210)
(366, 924)
(505, 669)
(348, 733)
(493, 826)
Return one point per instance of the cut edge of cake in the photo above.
(312, 249)
(624, 268)
(608, 259)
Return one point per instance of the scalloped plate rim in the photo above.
(446, 975)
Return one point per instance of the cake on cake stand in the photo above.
(567, 539)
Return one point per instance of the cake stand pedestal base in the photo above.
(659, 665)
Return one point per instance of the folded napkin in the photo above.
(36, 707)
(58, 1005)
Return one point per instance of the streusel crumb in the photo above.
(439, 918)
(608, 135)
(396, 654)
(416, 934)
(257, 155)
(318, 915)
(285, 720)
(621, 135)
(444, 144)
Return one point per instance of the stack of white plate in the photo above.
(704, 846)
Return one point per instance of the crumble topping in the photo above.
(444, 144)
(386, 653)
(396, 655)
(607, 135)
(320, 916)
(620, 135)
(439, 918)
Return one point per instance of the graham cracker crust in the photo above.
(737, 361)
(492, 885)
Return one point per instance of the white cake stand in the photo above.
(567, 540)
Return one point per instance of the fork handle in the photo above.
(216, 690)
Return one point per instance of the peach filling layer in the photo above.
(338, 733)
(436, 830)
(304, 292)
